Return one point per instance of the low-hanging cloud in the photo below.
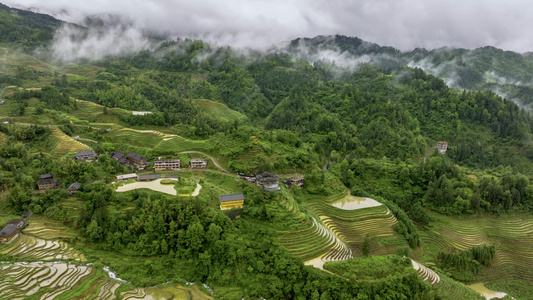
(403, 24)
(72, 43)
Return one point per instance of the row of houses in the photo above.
(160, 164)
(12, 229)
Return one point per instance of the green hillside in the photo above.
(381, 214)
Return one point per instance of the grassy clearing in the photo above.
(180, 144)
(219, 111)
(3, 138)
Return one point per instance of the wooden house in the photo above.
(198, 163)
(86, 156)
(9, 233)
(119, 156)
(442, 146)
(136, 159)
(47, 182)
(231, 201)
(297, 180)
(73, 189)
(126, 177)
(167, 164)
(12, 230)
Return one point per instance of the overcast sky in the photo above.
(403, 24)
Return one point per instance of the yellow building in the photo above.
(231, 201)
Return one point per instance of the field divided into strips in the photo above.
(426, 273)
(313, 240)
(353, 225)
(175, 292)
(65, 144)
(46, 229)
(451, 289)
(336, 232)
(139, 138)
(41, 280)
(55, 281)
(28, 247)
(511, 234)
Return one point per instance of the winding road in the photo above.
(211, 158)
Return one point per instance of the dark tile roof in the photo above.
(47, 181)
(117, 154)
(8, 230)
(136, 156)
(74, 187)
(149, 176)
(15, 222)
(230, 197)
(267, 178)
(172, 176)
(86, 153)
(47, 175)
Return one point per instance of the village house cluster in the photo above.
(130, 159)
(268, 181)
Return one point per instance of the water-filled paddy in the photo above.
(351, 203)
(487, 293)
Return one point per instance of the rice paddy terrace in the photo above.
(52, 269)
(65, 144)
(330, 233)
(511, 234)
(58, 280)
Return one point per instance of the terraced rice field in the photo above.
(451, 289)
(54, 280)
(29, 247)
(66, 144)
(46, 229)
(511, 234)
(353, 225)
(313, 240)
(40, 280)
(426, 273)
(176, 292)
(337, 232)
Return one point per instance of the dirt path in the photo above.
(197, 190)
(429, 152)
(211, 158)
(85, 139)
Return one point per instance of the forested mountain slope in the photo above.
(505, 72)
